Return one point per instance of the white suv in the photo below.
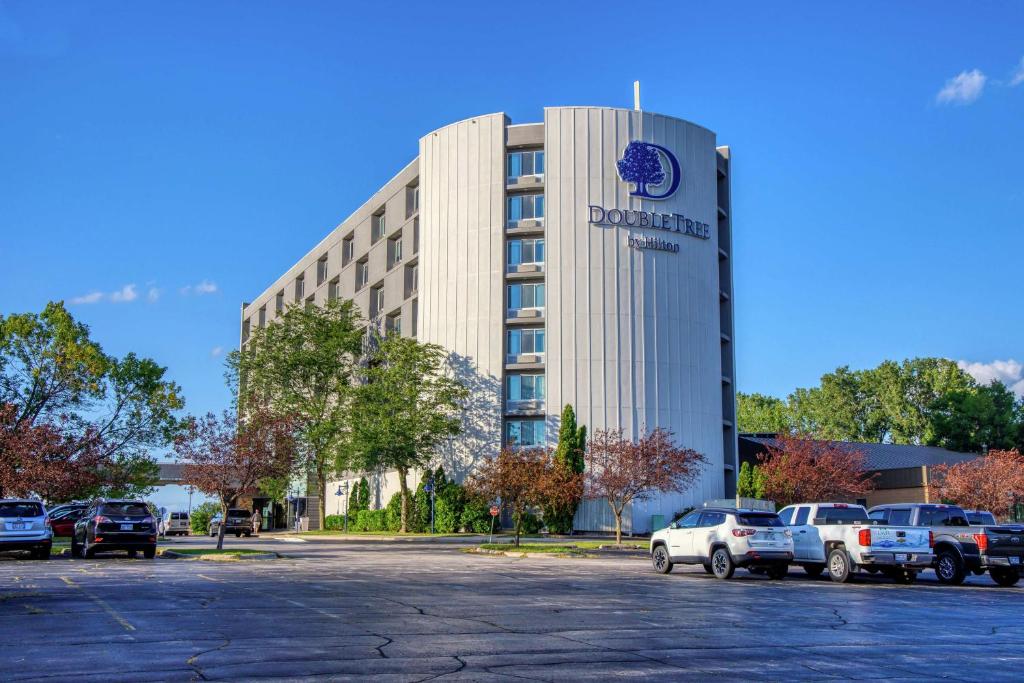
(722, 539)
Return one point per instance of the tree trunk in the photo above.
(321, 481)
(517, 524)
(223, 523)
(617, 511)
(405, 499)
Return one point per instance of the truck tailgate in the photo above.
(900, 539)
(1006, 542)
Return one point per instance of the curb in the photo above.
(172, 555)
(519, 555)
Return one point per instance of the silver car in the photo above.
(24, 525)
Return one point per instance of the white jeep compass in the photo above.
(722, 539)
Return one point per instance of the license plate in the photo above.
(127, 527)
(901, 557)
(17, 526)
(1014, 560)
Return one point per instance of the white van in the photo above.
(175, 524)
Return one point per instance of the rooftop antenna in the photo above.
(636, 95)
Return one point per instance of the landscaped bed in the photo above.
(225, 554)
(574, 549)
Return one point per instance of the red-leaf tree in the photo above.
(622, 471)
(226, 458)
(521, 479)
(801, 470)
(991, 482)
(42, 460)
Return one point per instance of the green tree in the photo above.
(199, 519)
(760, 479)
(569, 453)
(107, 410)
(759, 413)
(978, 419)
(406, 406)
(745, 481)
(302, 366)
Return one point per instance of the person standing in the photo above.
(257, 522)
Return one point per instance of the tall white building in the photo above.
(582, 260)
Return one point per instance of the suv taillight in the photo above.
(740, 533)
(100, 519)
(982, 541)
(864, 537)
(931, 539)
(46, 522)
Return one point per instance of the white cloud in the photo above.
(153, 295)
(963, 88)
(1018, 74)
(204, 287)
(90, 298)
(1009, 372)
(124, 295)
(216, 351)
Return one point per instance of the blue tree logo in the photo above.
(641, 164)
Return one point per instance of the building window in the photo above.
(394, 323)
(310, 302)
(347, 250)
(362, 274)
(522, 252)
(524, 207)
(525, 164)
(528, 341)
(524, 432)
(262, 317)
(245, 331)
(321, 270)
(415, 315)
(412, 280)
(522, 296)
(279, 303)
(376, 301)
(416, 235)
(395, 250)
(525, 388)
(412, 199)
(300, 287)
(334, 289)
(378, 227)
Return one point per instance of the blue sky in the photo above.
(171, 160)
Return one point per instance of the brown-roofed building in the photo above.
(905, 472)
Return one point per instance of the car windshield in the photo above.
(124, 509)
(759, 519)
(21, 510)
(854, 514)
(238, 513)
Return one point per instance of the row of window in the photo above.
(525, 341)
(525, 295)
(522, 387)
(524, 207)
(525, 164)
(524, 432)
(522, 252)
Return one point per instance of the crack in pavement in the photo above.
(191, 661)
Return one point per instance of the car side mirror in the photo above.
(673, 525)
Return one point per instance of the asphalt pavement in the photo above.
(420, 611)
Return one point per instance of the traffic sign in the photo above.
(494, 511)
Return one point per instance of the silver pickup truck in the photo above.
(843, 539)
(960, 547)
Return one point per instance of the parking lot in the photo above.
(417, 611)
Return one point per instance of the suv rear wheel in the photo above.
(149, 553)
(661, 561)
(949, 568)
(722, 565)
(839, 569)
(1005, 577)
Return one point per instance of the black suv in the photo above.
(238, 523)
(115, 525)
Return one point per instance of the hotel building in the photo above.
(585, 260)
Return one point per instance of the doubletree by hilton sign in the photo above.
(643, 165)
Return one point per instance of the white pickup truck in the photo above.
(843, 539)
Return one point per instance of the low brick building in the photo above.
(904, 472)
